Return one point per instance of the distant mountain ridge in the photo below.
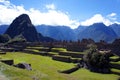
(57, 32)
(3, 28)
(116, 28)
(97, 31)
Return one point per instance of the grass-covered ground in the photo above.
(44, 68)
(84, 74)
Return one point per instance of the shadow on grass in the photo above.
(69, 70)
(116, 73)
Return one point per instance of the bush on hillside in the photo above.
(97, 62)
(4, 38)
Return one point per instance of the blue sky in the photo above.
(64, 12)
(76, 8)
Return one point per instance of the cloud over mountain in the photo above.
(52, 16)
(98, 18)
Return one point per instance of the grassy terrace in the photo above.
(44, 68)
(58, 49)
(35, 47)
(84, 74)
(116, 62)
(114, 57)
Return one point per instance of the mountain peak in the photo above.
(98, 24)
(23, 17)
(115, 24)
(97, 32)
(22, 26)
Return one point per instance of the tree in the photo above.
(4, 38)
(97, 62)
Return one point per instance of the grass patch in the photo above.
(84, 74)
(44, 68)
(53, 53)
(35, 50)
(75, 60)
(114, 57)
(115, 70)
(115, 62)
(58, 49)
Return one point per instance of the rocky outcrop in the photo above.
(22, 25)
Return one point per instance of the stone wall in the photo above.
(72, 54)
(9, 62)
(62, 58)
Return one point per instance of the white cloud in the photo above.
(50, 6)
(98, 18)
(112, 14)
(51, 17)
(9, 11)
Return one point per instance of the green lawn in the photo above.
(44, 68)
(58, 49)
(116, 62)
(114, 57)
(84, 74)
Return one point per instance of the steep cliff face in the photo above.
(22, 25)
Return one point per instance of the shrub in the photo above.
(96, 61)
(4, 38)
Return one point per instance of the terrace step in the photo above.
(47, 49)
(68, 59)
(72, 54)
(70, 70)
(62, 58)
(9, 62)
(1, 53)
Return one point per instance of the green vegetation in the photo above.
(114, 57)
(44, 68)
(53, 53)
(58, 49)
(85, 74)
(33, 50)
(75, 60)
(96, 61)
(4, 38)
(19, 38)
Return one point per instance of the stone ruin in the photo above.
(23, 66)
